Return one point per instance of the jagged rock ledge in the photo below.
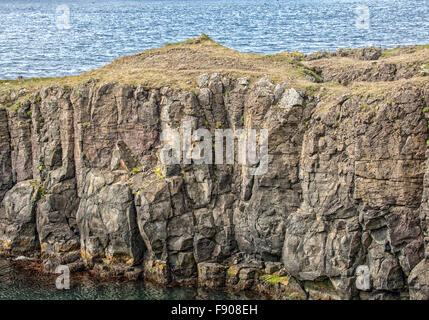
(82, 184)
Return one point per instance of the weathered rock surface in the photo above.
(107, 221)
(347, 185)
(18, 218)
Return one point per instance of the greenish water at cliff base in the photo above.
(19, 284)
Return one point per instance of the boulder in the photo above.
(18, 218)
(211, 275)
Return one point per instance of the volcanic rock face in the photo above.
(347, 185)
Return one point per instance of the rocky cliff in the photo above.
(82, 184)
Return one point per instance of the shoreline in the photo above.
(143, 69)
(305, 55)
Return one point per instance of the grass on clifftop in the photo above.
(179, 64)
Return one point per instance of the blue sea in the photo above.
(58, 38)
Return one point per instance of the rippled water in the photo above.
(16, 283)
(33, 43)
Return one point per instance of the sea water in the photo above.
(58, 38)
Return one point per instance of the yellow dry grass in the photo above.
(178, 65)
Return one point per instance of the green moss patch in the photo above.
(273, 279)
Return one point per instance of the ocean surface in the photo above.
(19, 284)
(58, 38)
